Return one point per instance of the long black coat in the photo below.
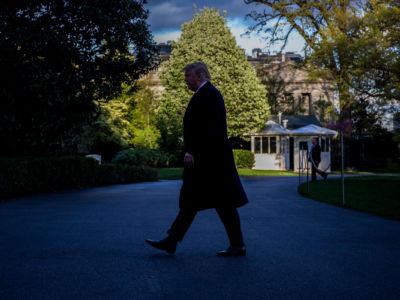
(316, 154)
(213, 181)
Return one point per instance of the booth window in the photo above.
(257, 145)
(264, 145)
(323, 145)
(272, 145)
(303, 146)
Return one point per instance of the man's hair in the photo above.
(198, 68)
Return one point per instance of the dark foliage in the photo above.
(145, 157)
(244, 158)
(26, 176)
(368, 153)
(238, 142)
(56, 57)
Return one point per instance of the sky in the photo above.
(166, 17)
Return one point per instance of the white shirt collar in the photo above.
(201, 85)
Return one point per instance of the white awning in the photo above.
(313, 130)
(273, 128)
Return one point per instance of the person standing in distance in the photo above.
(210, 178)
(315, 158)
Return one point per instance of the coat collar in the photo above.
(201, 85)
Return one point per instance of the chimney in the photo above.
(280, 118)
(285, 123)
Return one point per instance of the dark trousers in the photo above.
(314, 171)
(228, 215)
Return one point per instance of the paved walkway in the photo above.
(89, 244)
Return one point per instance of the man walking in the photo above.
(210, 178)
(315, 158)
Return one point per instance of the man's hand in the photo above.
(188, 160)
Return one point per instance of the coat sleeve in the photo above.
(190, 132)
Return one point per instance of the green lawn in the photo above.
(352, 172)
(170, 173)
(176, 173)
(378, 195)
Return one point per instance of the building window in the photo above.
(306, 102)
(272, 145)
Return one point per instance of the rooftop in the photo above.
(296, 121)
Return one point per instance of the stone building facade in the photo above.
(299, 91)
(296, 92)
(298, 88)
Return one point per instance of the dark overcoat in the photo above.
(213, 181)
(316, 154)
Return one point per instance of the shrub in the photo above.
(144, 157)
(26, 176)
(243, 158)
(119, 173)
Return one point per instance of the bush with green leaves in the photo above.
(207, 38)
(31, 175)
(144, 157)
(244, 158)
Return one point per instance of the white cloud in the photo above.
(249, 42)
(170, 36)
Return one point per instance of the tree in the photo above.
(278, 98)
(143, 123)
(110, 130)
(206, 38)
(338, 40)
(378, 73)
(124, 122)
(324, 109)
(276, 87)
(59, 56)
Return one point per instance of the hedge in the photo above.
(244, 158)
(26, 176)
(144, 157)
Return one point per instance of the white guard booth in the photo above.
(303, 140)
(278, 148)
(270, 147)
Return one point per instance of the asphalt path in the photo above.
(89, 244)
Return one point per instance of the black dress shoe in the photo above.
(166, 244)
(233, 251)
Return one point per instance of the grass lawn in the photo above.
(176, 173)
(378, 195)
(352, 172)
